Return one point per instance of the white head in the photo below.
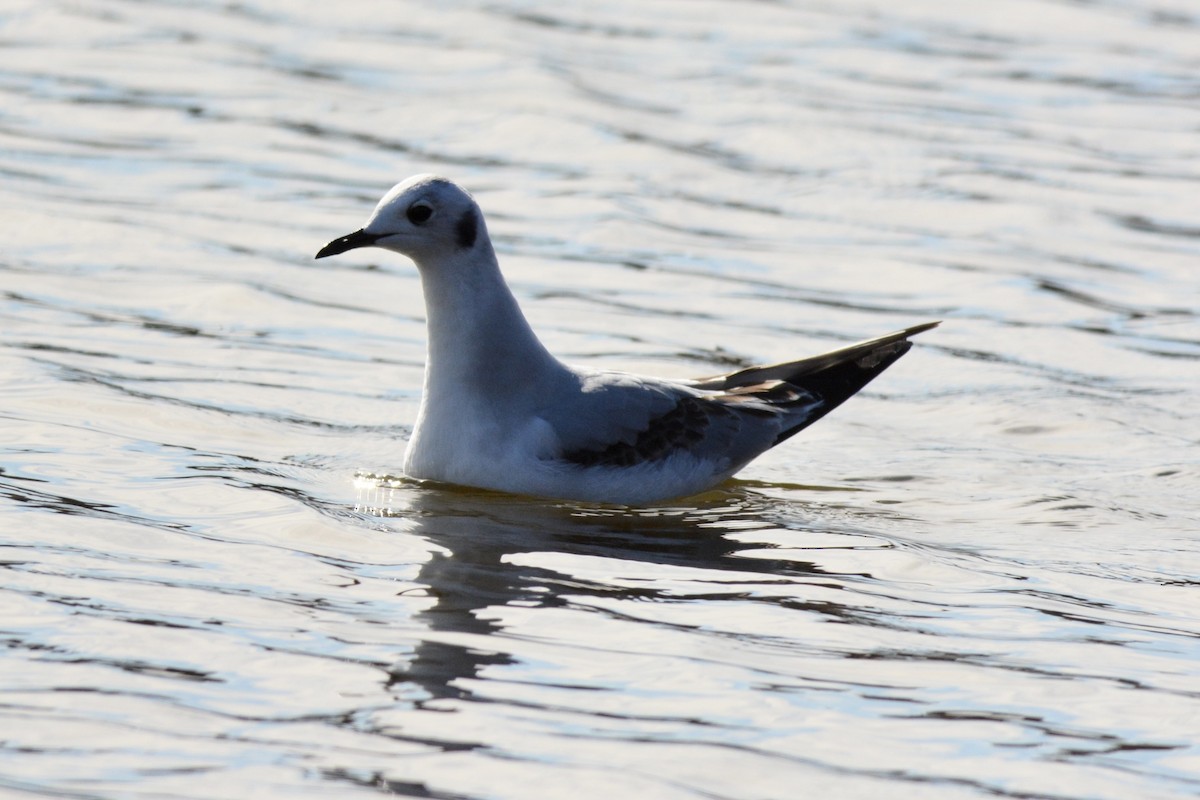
(425, 218)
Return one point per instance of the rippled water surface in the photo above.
(977, 579)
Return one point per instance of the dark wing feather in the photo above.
(820, 383)
(681, 427)
(730, 425)
(866, 354)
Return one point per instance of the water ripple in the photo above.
(976, 580)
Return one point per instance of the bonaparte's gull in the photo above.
(500, 412)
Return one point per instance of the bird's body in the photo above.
(500, 412)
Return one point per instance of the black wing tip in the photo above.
(836, 382)
(791, 370)
(924, 326)
(897, 336)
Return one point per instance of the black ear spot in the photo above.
(466, 229)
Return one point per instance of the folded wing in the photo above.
(727, 419)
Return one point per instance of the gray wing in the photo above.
(683, 427)
(622, 420)
(619, 420)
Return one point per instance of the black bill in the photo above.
(359, 238)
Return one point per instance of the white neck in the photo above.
(478, 336)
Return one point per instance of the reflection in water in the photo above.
(478, 532)
(846, 653)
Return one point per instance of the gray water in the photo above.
(977, 579)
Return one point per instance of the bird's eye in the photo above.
(419, 213)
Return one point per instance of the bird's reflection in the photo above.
(479, 533)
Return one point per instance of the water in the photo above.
(975, 580)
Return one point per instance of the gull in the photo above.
(499, 412)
